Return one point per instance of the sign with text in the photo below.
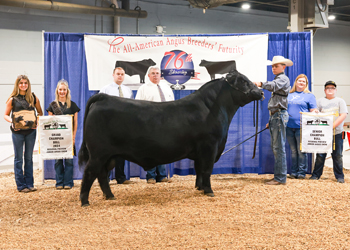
(189, 61)
(317, 132)
(56, 137)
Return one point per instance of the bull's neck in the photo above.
(218, 99)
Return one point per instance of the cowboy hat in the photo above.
(280, 59)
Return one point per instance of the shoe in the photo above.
(340, 180)
(128, 182)
(151, 181)
(269, 180)
(59, 187)
(32, 189)
(25, 190)
(292, 176)
(273, 182)
(67, 187)
(301, 176)
(166, 180)
(315, 178)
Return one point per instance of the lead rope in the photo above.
(256, 126)
(243, 141)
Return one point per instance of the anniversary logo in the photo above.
(56, 137)
(317, 132)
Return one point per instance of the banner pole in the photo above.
(41, 161)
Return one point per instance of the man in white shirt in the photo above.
(118, 89)
(150, 91)
(155, 91)
(113, 88)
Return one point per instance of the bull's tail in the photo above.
(83, 155)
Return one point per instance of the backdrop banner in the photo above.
(65, 58)
(317, 132)
(187, 61)
(55, 137)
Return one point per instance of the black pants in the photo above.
(119, 171)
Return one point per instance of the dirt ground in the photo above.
(244, 214)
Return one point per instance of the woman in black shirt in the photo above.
(23, 103)
(63, 105)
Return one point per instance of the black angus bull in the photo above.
(136, 68)
(218, 67)
(154, 133)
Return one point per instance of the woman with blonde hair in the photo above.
(21, 109)
(300, 99)
(63, 105)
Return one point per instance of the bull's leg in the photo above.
(86, 184)
(106, 189)
(204, 165)
(198, 176)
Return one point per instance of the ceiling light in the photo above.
(331, 17)
(246, 6)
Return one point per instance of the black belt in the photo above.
(278, 110)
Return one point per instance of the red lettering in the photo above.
(112, 44)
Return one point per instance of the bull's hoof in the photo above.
(110, 198)
(199, 188)
(85, 205)
(209, 194)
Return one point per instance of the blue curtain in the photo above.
(65, 58)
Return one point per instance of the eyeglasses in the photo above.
(332, 88)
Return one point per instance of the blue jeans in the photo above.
(24, 179)
(277, 125)
(64, 174)
(299, 159)
(337, 156)
(158, 173)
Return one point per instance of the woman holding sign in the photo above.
(300, 99)
(24, 107)
(63, 105)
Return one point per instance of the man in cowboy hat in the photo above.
(277, 106)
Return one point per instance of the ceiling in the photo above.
(341, 8)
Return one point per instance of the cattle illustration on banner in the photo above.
(56, 137)
(186, 62)
(317, 132)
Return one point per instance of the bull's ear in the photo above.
(231, 75)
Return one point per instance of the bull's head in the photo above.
(241, 83)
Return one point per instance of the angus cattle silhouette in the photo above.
(218, 67)
(136, 68)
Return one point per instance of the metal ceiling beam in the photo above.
(206, 4)
(74, 8)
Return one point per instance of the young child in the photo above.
(337, 106)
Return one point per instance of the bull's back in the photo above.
(140, 130)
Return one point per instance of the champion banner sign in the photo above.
(56, 137)
(186, 62)
(317, 132)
